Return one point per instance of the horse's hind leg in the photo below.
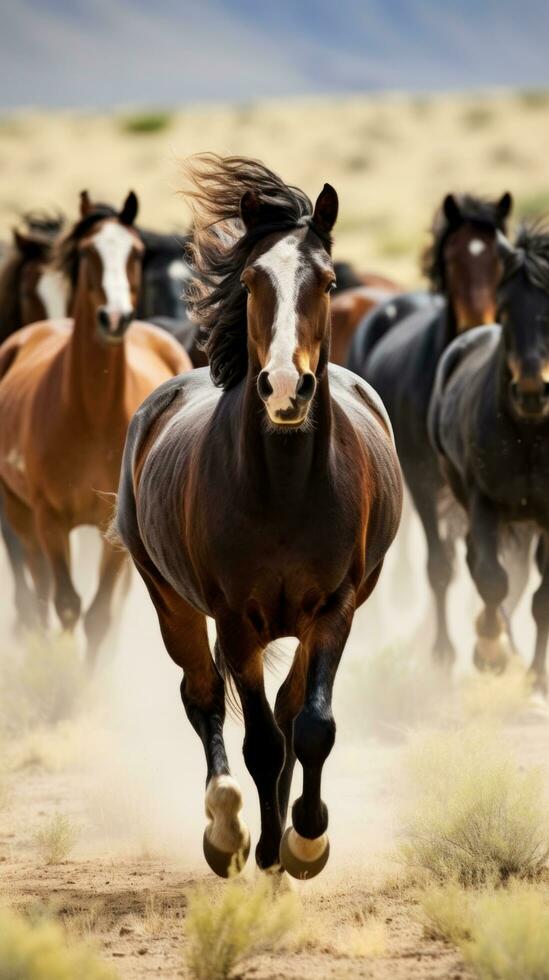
(493, 648)
(540, 612)
(305, 847)
(53, 535)
(226, 837)
(439, 570)
(98, 617)
(23, 550)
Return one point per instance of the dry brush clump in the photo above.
(56, 839)
(475, 817)
(40, 951)
(503, 933)
(225, 931)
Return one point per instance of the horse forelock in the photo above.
(221, 246)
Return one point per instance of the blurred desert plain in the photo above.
(391, 158)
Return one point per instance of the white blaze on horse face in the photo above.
(284, 266)
(476, 246)
(114, 244)
(52, 290)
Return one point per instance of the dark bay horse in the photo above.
(489, 423)
(264, 494)
(29, 290)
(68, 389)
(400, 361)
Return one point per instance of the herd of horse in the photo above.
(251, 406)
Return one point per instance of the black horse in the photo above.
(489, 423)
(398, 355)
(165, 274)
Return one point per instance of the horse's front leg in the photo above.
(98, 617)
(263, 742)
(493, 647)
(53, 535)
(305, 846)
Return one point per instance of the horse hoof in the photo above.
(225, 864)
(493, 653)
(303, 858)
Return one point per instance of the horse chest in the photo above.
(514, 472)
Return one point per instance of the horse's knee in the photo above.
(314, 735)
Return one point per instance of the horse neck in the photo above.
(284, 463)
(95, 370)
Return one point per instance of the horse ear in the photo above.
(451, 210)
(85, 204)
(504, 205)
(250, 209)
(129, 210)
(326, 208)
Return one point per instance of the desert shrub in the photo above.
(145, 123)
(242, 922)
(40, 951)
(56, 839)
(503, 933)
(509, 935)
(475, 816)
(477, 116)
(40, 683)
(533, 98)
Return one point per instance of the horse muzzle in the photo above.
(111, 326)
(286, 395)
(531, 401)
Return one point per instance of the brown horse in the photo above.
(349, 308)
(67, 392)
(265, 496)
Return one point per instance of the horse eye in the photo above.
(330, 287)
(245, 287)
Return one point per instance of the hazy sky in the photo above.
(117, 52)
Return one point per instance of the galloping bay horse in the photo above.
(463, 265)
(264, 494)
(68, 389)
(489, 424)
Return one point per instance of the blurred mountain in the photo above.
(111, 52)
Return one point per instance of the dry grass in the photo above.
(475, 816)
(491, 698)
(41, 683)
(391, 158)
(40, 951)
(502, 933)
(56, 839)
(243, 921)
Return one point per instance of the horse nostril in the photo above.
(264, 387)
(306, 386)
(103, 318)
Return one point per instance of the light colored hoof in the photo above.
(226, 841)
(303, 858)
(493, 652)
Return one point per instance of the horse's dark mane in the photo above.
(65, 256)
(220, 246)
(475, 209)
(531, 254)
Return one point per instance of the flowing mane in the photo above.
(220, 246)
(65, 257)
(478, 211)
(531, 253)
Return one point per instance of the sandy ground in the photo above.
(128, 772)
(391, 158)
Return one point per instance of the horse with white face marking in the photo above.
(68, 389)
(264, 495)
